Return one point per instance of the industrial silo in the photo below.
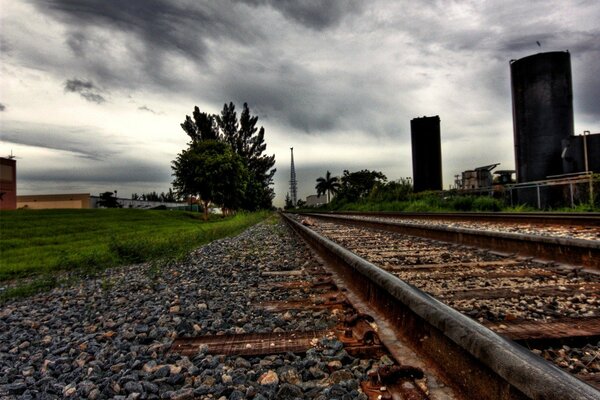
(426, 153)
(542, 97)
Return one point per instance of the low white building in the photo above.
(316, 201)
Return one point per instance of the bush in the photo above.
(418, 206)
(461, 203)
(487, 204)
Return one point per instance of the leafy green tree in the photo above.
(399, 190)
(152, 196)
(328, 184)
(202, 127)
(109, 200)
(228, 126)
(300, 203)
(168, 197)
(211, 170)
(358, 185)
(246, 141)
(249, 143)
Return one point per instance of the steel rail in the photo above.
(578, 252)
(481, 364)
(577, 219)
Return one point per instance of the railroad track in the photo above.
(559, 240)
(493, 313)
(545, 218)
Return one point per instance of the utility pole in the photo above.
(293, 182)
(587, 170)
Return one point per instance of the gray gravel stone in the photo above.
(108, 336)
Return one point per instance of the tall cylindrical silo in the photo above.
(542, 95)
(426, 153)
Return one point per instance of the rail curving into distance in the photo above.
(480, 363)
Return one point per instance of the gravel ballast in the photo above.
(109, 336)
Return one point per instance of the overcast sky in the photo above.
(92, 92)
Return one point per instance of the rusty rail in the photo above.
(569, 251)
(480, 363)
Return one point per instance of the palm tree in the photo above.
(329, 185)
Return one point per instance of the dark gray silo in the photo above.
(542, 95)
(426, 153)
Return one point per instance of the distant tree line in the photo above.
(363, 185)
(169, 197)
(224, 163)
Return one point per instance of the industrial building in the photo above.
(480, 177)
(426, 153)
(581, 153)
(546, 147)
(8, 183)
(542, 95)
(52, 201)
(315, 201)
(83, 200)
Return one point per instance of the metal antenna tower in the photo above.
(293, 182)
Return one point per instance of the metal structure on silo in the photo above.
(542, 95)
(426, 153)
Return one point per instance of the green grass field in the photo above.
(41, 242)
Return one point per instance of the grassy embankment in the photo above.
(436, 203)
(35, 245)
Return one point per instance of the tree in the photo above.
(246, 141)
(329, 185)
(168, 197)
(211, 170)
(399, 190)
(203, 127)
(152, 196)
(357, 185)
(228, 126)
(108, 200)
(249, 142)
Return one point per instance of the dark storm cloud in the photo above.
(138, 43)
(86, 89)
(82, 142)
(2, 107)
(312, 102)
(160, 24)
(315, 14)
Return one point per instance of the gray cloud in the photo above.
(313, 14)
(146, 108)
(86, 89)
(161, 25)
(83, 142)
(120, 171)
(2, 107)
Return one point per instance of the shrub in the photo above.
(487, 204)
